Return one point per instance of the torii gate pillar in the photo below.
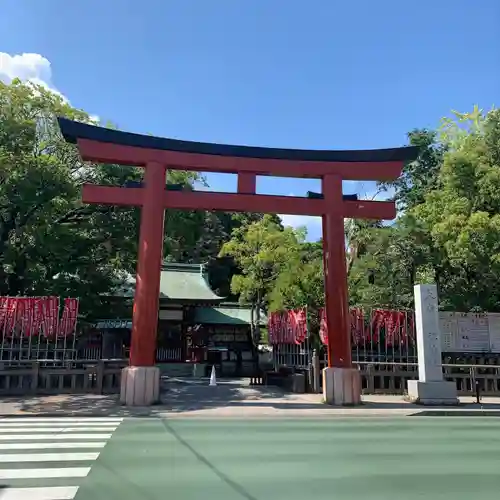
(341, 382)
(141, 380)
(140, 383)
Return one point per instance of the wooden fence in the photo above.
(103, 377)
(392, 378)
(76, 377)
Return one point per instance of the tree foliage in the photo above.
(261, 250)
(49, 242)
(463, 215)
(301, 281)
(448, 232)
(421, 176)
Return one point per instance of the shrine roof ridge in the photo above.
(181, 267)
(72, 131)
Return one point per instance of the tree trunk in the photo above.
(257, 319)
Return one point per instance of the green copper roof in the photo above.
(225, 315)
(186, 282)
(177, 282)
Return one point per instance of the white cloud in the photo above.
(30, 67)
(312, 224)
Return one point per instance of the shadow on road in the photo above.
(177, 396)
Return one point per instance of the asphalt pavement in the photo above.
(65, 458)
(271, 459)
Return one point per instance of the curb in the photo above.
(340, 413)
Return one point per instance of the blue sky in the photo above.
(318, 74)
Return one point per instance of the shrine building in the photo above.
(194, 325)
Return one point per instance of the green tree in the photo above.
(358, 233)
(46, 243)
(463, 216)
(50, 243)
(261, 250)
(300, 281)
(385, 261)
(221, 269)
(394, 258)
(421, 176)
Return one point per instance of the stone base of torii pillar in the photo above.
(341, 386)
(140, 386)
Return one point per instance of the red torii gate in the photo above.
(156, 154)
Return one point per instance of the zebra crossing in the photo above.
(48, 458)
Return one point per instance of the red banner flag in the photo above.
(357, 326)
(323, 327)
(300, 325)
(3, 311)
(37, 316)
(377, 321)
(50, 311)
(11, 316)
(69, 316)
(27, 307)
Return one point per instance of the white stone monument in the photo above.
(430, 388)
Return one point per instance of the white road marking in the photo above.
(47, 457)
(46, 493)
(51, 436)
(45, 446)
(61, 419)
(9, 425)
(44, 473)
(38, 441)
(57, 429)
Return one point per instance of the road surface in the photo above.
(442, 458)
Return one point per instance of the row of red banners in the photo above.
(397, 326)
(287, 327)
(31, 316)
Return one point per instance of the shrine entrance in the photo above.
(140, 381)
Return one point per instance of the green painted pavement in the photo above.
(370, 459)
